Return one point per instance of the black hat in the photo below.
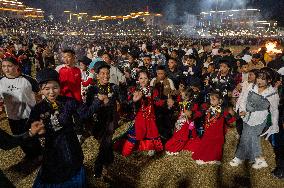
(99, 65)
(85, 60)
(46, 75)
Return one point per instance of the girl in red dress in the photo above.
(184, 127)
(209, 148)
(144, 132)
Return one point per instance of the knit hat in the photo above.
(11, 59)
(46, 75)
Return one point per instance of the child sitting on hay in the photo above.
(144, 134)
(209, 148)
(184, 127)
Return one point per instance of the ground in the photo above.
(140, 170)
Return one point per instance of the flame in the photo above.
(271, 48)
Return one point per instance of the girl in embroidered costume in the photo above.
(255, 103)
(184, 127)
(144, 132)
(62, 164)
(208, 148)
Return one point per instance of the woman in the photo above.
(255, 104)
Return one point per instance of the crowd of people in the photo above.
(179, 94)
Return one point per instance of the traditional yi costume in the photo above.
(145, 132)
(209, 147)
(184, 128)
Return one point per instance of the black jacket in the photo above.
(62, 156)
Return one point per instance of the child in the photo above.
(145, 131)
(242, 76)
(86, 75)
(209, 148)
(100, 109)
(165, 88)
(184, 127)
(255, 103)
(62, 164)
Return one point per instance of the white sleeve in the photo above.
(274, 103)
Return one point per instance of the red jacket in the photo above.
(70, 82)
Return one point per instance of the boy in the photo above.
(101, 106)
(70, 76)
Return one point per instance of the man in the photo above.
(70, 76)
(116, 76)
(173, 72)
(18, 93)
(101, 106)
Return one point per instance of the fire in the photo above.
(271, 48)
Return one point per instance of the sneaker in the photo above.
(236, 162)
(151, 153)
(259, 163)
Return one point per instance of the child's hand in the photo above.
(170, 102)
(37, 127)
(137, 96)
(102, 97)
(106, 100)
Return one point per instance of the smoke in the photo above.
(223, 4)
(170, 12)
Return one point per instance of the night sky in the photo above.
(271, 9)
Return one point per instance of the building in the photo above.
(17, 9)
(237, 22)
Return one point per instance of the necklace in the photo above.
(212, 115)
(105, 90)
(146, 91)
